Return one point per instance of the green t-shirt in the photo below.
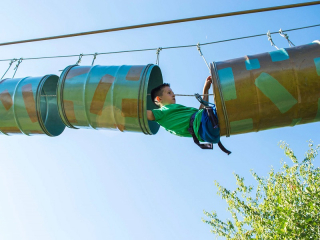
(175, 119)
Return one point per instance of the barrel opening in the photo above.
(154, 81)
(48, 107)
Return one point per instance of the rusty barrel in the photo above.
(269, 90)
(29, 106)
(108, 97)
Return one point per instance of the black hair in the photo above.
(158, 91)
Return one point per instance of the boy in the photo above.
(184, 121)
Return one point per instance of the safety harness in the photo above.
(214, 120)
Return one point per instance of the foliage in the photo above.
(285, 205)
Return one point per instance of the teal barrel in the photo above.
(108, 97)
(29, 106)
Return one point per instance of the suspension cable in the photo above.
(164, 48)
(167, 22)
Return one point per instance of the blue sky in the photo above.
(88, 184)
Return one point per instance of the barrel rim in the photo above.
(215, 77)
(0, 129)
(38, 99)
(60, 102)
(141, 97)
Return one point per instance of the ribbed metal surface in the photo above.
(29, 106)
(108, 97)
(270, 90)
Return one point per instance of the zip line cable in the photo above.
(258, 10)
(163, 48)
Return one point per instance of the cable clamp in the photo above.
(94, 58)
(199, 49)
(79, 60)
(158, 52)
(282, 34)
(17, 66)
(270, 40)
(10, 64)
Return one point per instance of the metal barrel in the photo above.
(269, 90)
(29, 106)
(108, 97)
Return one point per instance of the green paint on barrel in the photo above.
(275, 92)
(244, 125)
(279, 55)
(252, 64)
(317, 63)
(317, 119)
(227, 84)
(295, 121)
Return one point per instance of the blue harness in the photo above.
(209, 130)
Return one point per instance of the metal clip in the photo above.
(205, 103)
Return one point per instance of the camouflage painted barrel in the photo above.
(108, 97)
(270, 90)
(29, 106)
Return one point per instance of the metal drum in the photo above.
(108, 97)
(270, 90)
(29, 106)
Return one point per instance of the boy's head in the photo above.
(163, 95)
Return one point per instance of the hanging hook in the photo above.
(17, 66)
(271, 41)
(10, 64)
(282, 34)
(158, 52)
(201, 54)
(79, 60)
(94, 58)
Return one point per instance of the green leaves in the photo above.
(285, 205)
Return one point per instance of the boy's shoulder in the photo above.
(169, 107)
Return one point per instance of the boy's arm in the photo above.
(150, 115)
(206, 88)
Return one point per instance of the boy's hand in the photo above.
(207, 84)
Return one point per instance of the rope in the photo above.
(11, 62)
(200, 52)
(167, 22)
(158, 52)
(17, 66)
(282, 34)
(163, 48)
(271, 41)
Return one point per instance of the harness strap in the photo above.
(214, 121)
(195, 139)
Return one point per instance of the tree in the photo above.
(285, 205)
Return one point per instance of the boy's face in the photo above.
(167, 97)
